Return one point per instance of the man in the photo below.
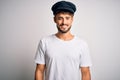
(62, 56)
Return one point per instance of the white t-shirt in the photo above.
(63, 59)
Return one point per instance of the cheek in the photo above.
(58, 22)
(70, 22)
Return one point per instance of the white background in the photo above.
(24, 22)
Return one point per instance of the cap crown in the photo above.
(63, 6)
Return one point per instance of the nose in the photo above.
(64, 21)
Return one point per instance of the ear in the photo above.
(54, 19)
(72, 18)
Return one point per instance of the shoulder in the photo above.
(47, 38)
(44, 40)
(81, 41)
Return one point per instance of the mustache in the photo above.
(63, 25)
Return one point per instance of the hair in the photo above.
(70, 13)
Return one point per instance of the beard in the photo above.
(63, 31)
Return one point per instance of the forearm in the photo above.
(85, 71)
(86, 76)
(39, 75)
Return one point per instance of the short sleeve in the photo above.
(85, 59)
(40, 53)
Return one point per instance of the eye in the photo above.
(67, 18)
(59, 18)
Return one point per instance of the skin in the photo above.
(39, 72)
(85, 72)
(63, 22)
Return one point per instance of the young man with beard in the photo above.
(62, 56)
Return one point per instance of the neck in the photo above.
(64, 36)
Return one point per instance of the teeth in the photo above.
(64, 26)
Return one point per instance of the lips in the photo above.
(64, 27)
(63, 24)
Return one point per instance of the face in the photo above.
(63, 21)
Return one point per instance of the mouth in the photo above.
(64, 26)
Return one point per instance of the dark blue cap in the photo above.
(63, 6)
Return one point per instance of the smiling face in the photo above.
(63, 21)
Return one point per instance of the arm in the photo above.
(85, 73)
(39, 72)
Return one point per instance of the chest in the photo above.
(62, 51)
